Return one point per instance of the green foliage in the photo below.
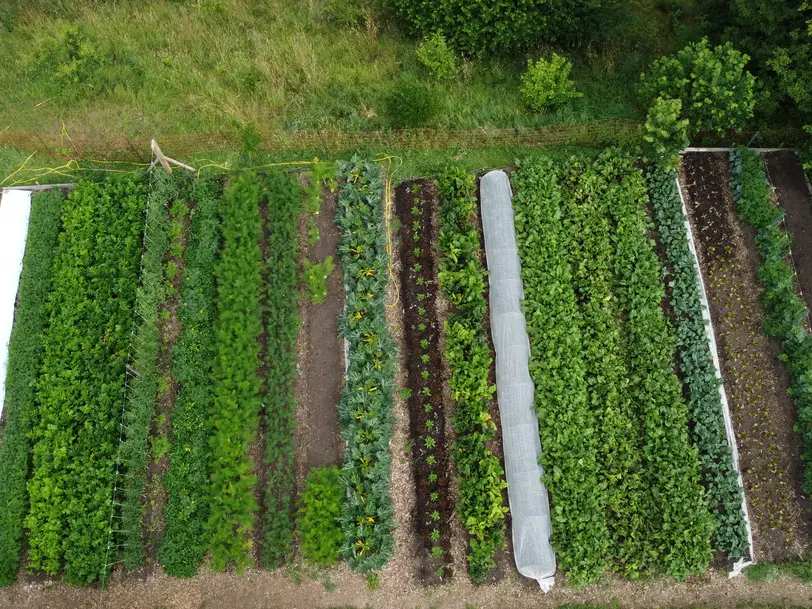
(318, 518)
(234, 411)
(664, 134)
(707, 424)
(435, 55)
(716, 90)
(481, 506)
(71, 63)
(784, 311)
(144, 387)
(282, 329)
(25, 352)
(547, 84)
(410, 103)
(187, 510)
(81, 383)
(555, 326)
(365, 409)
(502, 26)
(315, 278)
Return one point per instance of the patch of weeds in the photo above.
(373, 582)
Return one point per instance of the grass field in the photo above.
(165, 67)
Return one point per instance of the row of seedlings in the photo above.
(622, 475)
(785, 314)
(365, 408)
(25, 354)
(720, 477)
(81, 385)
(481, 505)
(415, 204)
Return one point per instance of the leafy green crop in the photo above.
(707, 429)
(284, 197)
(187, 510)
(365, 409)
(481, 505)
(555, 325)
(318, 516)
(234, 411)
(144, 386)
(25, 352)
(784, 311)
(81, 384)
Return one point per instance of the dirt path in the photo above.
(755, 380)
(787, 176)
(320, 355)
(264, 590)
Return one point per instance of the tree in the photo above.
(716, 91)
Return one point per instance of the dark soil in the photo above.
(320, 354)
(415, 204)
(755, 380)
(787, 176)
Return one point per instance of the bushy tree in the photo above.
(664, 133)
(497, 26)
(547, 84)
(716, 90)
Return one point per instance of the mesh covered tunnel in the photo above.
(529, 503)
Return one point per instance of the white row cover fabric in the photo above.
(731, 437)
(15, 210)
(529, 503)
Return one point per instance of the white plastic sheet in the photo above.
(15, 209)
(731, 436)
(529, 503)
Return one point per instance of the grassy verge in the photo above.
(281, 272)
(144, 386)
(187, 510)
(25, 352)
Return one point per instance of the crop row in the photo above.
(425, 379)
(481, 504)
(184, 545)
(144, 386)
(678, 524)
(719, 476)
(234, 412)
(80, 389)
(785, 312)
(622, 475)
(284, 197)
(365, 408)
(25, 352)
(555, 326)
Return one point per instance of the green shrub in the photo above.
(715, 89)
(410, 103)
(503, 26)
(318, 516)
(71, 63)
(547, 84)
(435, 55)
(664, 133)
(315, 278)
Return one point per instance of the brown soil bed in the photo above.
(755, 380)
(791, 190)
(415, 204)
(320, 354)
